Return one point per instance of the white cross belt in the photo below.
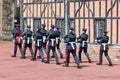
(83, 43)
(52, 42)
(104, 46)
(28, 40)
(72, 44)
(57, 38)
(44, 38)
(38, 42)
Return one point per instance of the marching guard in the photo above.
(51, 45)
(38, 44)
(82, 39)
(103, 40)
(44, 36)
(58, 42)
(71, 48)
(17, 33)
(28, 42)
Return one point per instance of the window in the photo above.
(37, 22)
(100, 26)
(61, 24)
(25, 24)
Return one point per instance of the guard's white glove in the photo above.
(13, 41)
(96, 40)
(62, 40)
(79, 39)
(21, 38)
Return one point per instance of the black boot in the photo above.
(43, 60)
(65, 65)
(47, 62)
(22, 57)
(90, 61)
(110, 64)
(33, 59)
(58, 64)
(13, 56)
(78, 66)
(99, 64)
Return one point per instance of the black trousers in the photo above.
(25, 48)
(40, 52)
(85, 52)
(106, 55)
(74, 56)
(15, 48)
(58, 49)
(54, 52)
(58, 45)
(44, 46)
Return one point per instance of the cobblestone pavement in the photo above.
(18, 69)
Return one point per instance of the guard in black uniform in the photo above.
(27, 36)
(58, 42)
(51, 45)
(103, 40)
(44, 35)
(82, 39)
(71, 48)
(17, 33)
(38, 38)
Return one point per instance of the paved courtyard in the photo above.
(18, 69)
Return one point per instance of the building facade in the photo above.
(95, 15)
(0, 15)
(6, 19)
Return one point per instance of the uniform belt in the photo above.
(83, 43)
(52, 42)
(28, 39)
(104, 46)
(38, 41)
(79, 39)
(44, 38)
(72, 44)
(57, 38)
